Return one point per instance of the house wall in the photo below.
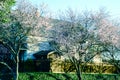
(97, 59)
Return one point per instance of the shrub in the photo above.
(98, 68)
(58, 65)
(68, 76)
(29, 65)
(66, 66)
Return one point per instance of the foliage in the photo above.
(69, 76)
(112, 56)
(5, 7)
(67, 67)
(82, 36)
(98, 68)
(108, 34)
(73, 36)
(14, 33)
(28, 66)
(59, 66)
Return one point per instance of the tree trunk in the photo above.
(79, 72)
(17, 66)
(79, 76)
(16, 73)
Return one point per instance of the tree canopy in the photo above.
(5, 7)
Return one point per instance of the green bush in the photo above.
(42, 65)
(5, 73)
(29, 66)
(45, 76)
(69, 76)
(6, 76)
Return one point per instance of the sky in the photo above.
(113, 6)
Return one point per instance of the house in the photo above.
(37, 45)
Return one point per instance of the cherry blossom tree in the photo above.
(71, 37)
(25, 21)
(107, 31)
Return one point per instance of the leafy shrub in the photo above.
(66, 66)
(68, 76)
(29, 66)
(98, 68)
(57, 65)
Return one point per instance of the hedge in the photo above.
(63, 76)
(60, 76)
(57, 65)
(66, 66)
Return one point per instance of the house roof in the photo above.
(40, 54)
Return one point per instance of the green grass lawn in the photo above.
(62, 76)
